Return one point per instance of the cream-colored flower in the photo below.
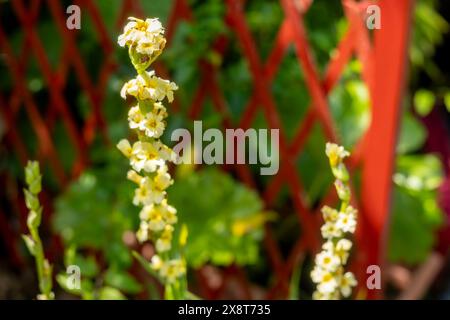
(347, 220)
(325, 296)
(161, 88)
(151, 123)
(329, 214)
(134, 176)
(327, 260)
(168, 154)
(160, 212)
(346, 282)
(156, 262)
(330, 230)
(160, 110)
(125, 147)
(142, 233)
(153, 88)
(153, 216)
(164, 243)
(146, 156)
(329, 273)
(172, 270)
(147, 194)
(154, 125)
(317, 274)
(135, 118)
(327, 283)
(168, 212)
(146, 36)
(342, 249)
(335, 153)
(162, 179)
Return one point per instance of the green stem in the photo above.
(34, 242)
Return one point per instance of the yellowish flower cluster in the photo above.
(329, 274)
(148, 155)
(146, 37)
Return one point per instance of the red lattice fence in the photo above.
(383, 58)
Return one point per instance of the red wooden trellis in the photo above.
(384, 67)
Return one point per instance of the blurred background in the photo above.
(310, 68)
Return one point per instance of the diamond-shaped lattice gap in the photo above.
(50, 38)
(160, 9)
(264, 19)
(26, 132)
(90, 48)
(260, 122)
(350, 105)
(313, 166)
(183, 68)
(209, 115)
(290, 93)
(320, 23)
(76, 98)
(235, 81)
(65, 150)
(110, 11)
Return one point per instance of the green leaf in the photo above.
(447, 101)
(31, 245)
(122, 281)
(410, 239)
(34, 218)
(88, 265)
(109, 293)
(412, 135)
(424, 101)
(85, 290)
(419, 173)
(294, 284)
(97, 209)
(212, 212)
(415, 212)
(31, 200)
(145, 264)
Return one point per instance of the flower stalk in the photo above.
(148, 156)
(33, 240)
(329, 274)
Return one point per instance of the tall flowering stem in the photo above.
(329, 274)
(148, 155)
(33, 241)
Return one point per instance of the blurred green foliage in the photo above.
(96, 210)
(416, 214)
(224, 218)
(428, 33)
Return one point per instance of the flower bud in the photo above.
(31, 200)
(125, 147)
(34, 219)
(33, 177)
(31, 245)
(340, 172)
(343, 190)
